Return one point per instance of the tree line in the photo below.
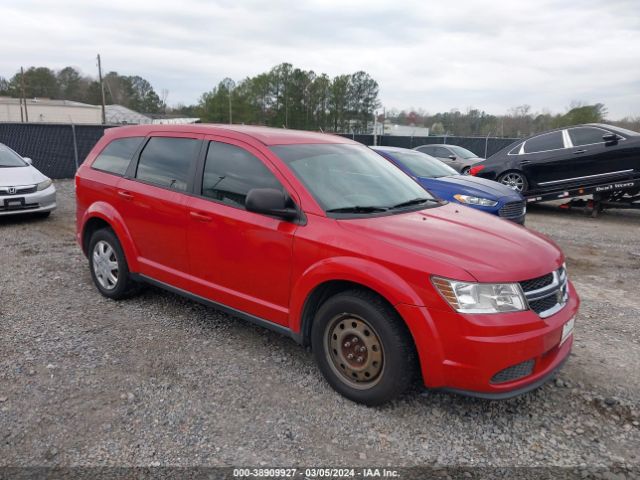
(518, 122)
(133, 92)
(291, 97)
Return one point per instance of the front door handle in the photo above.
(200, 217)
(525, 162)
(126, 195)
(579, 151)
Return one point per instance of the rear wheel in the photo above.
(108, 266)
(465, 170)
(514, 180)
(363, 347)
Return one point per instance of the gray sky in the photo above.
(432, 55)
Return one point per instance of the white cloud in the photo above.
(440, 56)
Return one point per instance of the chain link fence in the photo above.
(58, 149)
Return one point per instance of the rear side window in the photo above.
(230, 172)
(116, 156)
(427, 150)
(442, 152)
(542, 143)
(586, 136)
(166, 161)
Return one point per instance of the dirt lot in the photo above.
(159, 380)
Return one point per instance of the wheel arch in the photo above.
(102, 215)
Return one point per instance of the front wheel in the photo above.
(514, 180)
(363, 347)
(465, 171)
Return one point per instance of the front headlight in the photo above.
(467, 297)
(44, 185)
(470, 200)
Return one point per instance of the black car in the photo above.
(565, 157)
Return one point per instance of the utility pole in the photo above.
(24, 97)
(230, 112)
(104, 115)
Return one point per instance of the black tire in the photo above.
(398, 360)
(504, 179)
(465, 171)
(124, 286)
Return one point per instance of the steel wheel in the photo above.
(354, 351)
(514, 180)
(105, 265)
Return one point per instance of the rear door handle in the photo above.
(126, 195)
(200, 217)
(579, 151)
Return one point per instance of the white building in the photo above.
(44, 110)
(117, 114)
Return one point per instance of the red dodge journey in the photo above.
(322, 239)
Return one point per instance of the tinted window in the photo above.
(586, 136)
(116, 156)
(541, 143)
(166, 161)
(230, 172)
(9, 158)
(462, 152)
(442, 152)
(427, 150)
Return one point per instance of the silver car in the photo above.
(23, 189)
(456, 157)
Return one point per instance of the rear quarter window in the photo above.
(116, 156)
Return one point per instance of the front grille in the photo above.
(512, 209)
(4, 191)
(514, 373)
(537, 283)
(548, 294)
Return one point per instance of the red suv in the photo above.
(322, 239)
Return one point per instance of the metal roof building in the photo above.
(45, 110)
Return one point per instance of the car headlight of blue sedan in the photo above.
(471, 200)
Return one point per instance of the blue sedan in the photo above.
(445, 183)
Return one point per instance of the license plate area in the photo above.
(14, 203)
(567, 330)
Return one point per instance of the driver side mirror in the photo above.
(269, 201)
(610, 138)
(28, 160)
(452, 157)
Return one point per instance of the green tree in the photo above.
(39, 82)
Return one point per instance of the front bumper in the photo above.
(38, 202)
(464, 353)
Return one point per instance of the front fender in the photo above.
(106, 212)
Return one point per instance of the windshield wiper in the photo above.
(358, 209)
(414, 201)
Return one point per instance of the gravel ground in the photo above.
(160, 380)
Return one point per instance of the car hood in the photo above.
(471, 186)
(488, 248)
(16, 176)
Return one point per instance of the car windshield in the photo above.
(9, 158)
(352, 178)
(421, 164)
(462, 152)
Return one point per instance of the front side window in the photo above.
(542, 143)
(9, 158)
(116, 156)
(586, 136)
(343, 176)
(462, 152)
(230, 172)
(166, 161)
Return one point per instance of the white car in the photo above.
(23, 189)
